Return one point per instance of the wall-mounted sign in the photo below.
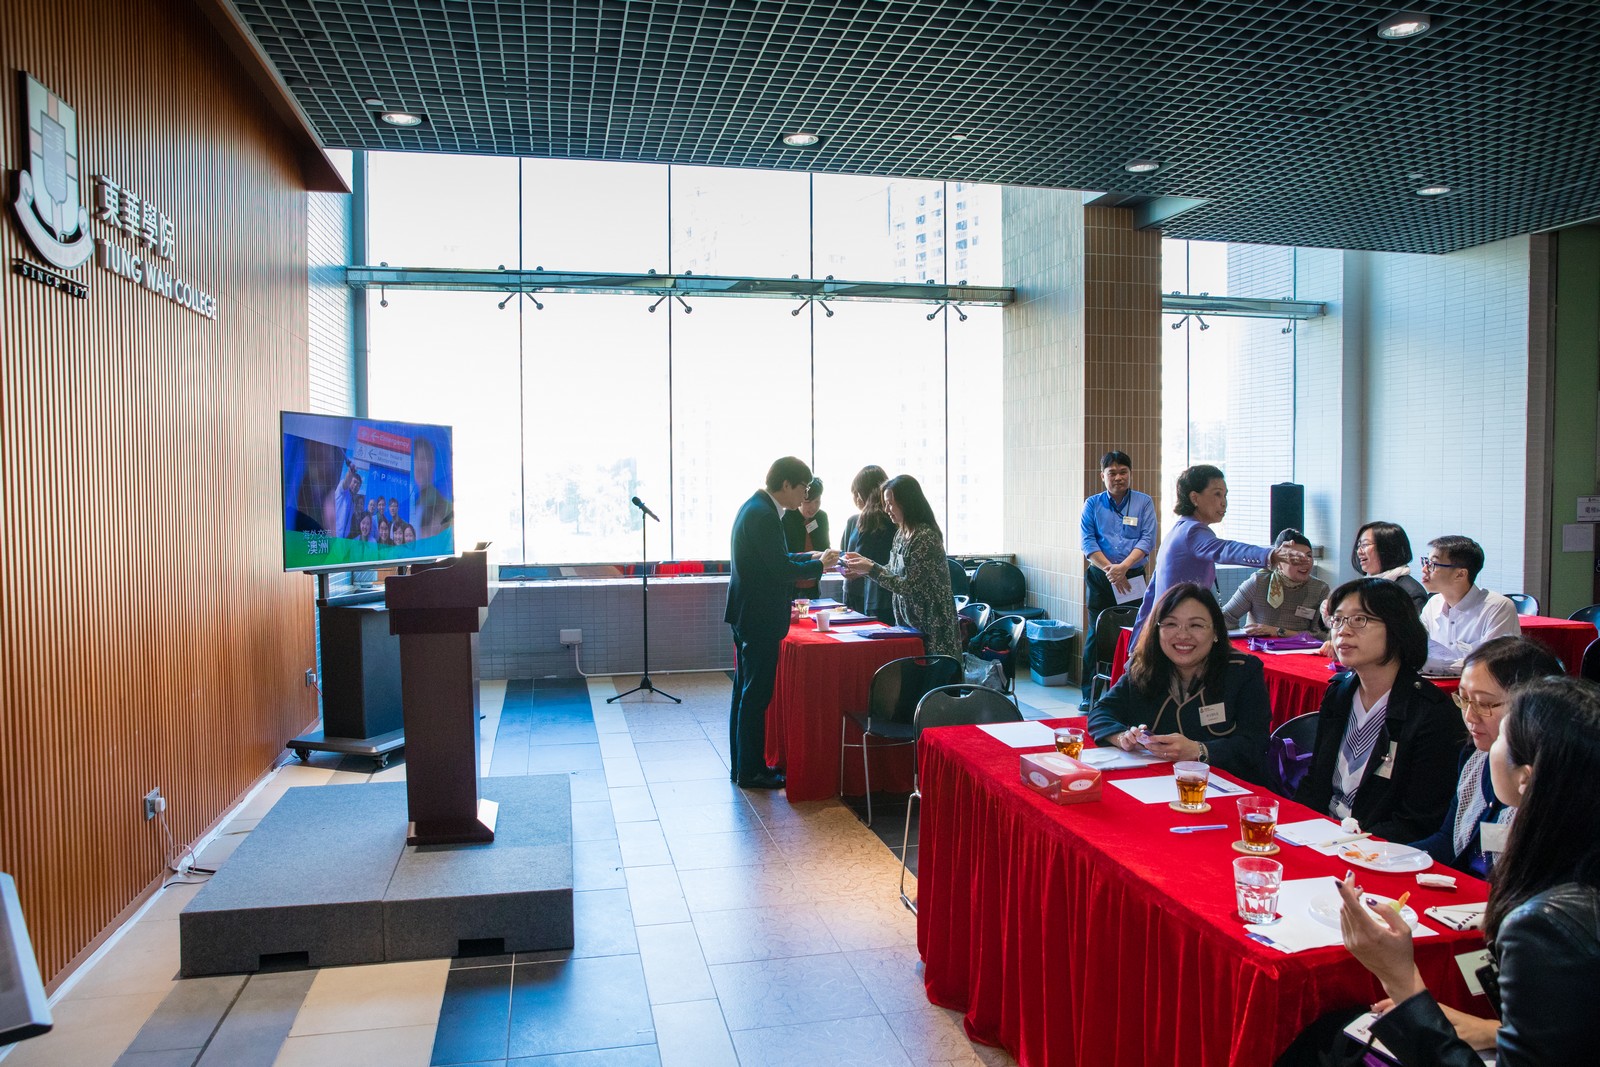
(1589, 509)
(48, 205)
(50, 211)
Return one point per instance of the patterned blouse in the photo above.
(919, 577)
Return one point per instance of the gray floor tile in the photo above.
(579, 1005)
(603, 926)
(474, 1017)
(597, 865)
(804, 989)
(632, 1056)
(189, 1015)
(859, 1042)
(259, 1021)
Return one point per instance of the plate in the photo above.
(1326, 909)
(1385, 856)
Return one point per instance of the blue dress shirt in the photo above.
(1105, 526)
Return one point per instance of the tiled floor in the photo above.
(714, 926)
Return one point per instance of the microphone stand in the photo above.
(645, 684)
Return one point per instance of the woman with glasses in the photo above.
(1281, 600)
(1477, 822)
(1542, 924)
(1382, 550)
(1387, 739)
(1187, 695)
(917, 573)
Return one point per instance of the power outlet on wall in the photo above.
(571, 637)
(311, 677)
(154, 804)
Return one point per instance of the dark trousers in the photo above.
(752, 692)
(1101, 596)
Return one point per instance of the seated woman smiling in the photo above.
(1188, 691)
(1281, 600)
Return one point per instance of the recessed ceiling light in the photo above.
(401, 118)
(958, 137)
(1434, 190)
(372, 101)
(1404, 25)
(1142, 166)
(800, 139)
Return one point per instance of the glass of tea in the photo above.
(1258, 822)
(1192, 776)
(1255, 888)
(1069, 741)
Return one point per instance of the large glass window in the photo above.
(562, 415)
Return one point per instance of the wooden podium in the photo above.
(437, 611)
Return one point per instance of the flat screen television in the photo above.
(362, 493)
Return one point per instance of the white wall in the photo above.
(1445, 399)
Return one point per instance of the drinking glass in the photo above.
(1255, 887)
(1192, 777)
(1069, 741)
(1258, 823)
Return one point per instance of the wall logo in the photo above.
(48, 203)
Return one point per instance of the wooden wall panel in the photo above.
(147, 634)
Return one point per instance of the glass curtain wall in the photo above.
(1233, 377)
(563, 414)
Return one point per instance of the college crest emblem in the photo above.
(48, 204)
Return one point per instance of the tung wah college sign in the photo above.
(137, 238)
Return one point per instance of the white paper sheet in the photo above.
(1136, 589)
(1114, 759)
(1297, 931)
(1312, 832)
(846, 636)
(1163, 788)
(1021, 734)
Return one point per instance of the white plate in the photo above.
(1326, 909)
(1391, 858)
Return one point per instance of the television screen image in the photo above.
(364, 492)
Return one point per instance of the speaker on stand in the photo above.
(1288, 509)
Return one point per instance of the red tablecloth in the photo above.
(1089, 935)
(819, 679)
(1295, 683)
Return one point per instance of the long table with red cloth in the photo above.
(819, 679)
(1088, 934)
(1296, 682)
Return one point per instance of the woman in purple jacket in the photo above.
(1191, 552)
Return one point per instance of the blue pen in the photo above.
(1197, 829)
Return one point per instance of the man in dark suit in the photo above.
(759, 593)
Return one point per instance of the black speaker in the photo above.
(1288, 508)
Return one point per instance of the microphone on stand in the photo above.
(641, 506)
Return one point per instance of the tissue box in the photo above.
(1060, 778)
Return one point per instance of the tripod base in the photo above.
(647, 686)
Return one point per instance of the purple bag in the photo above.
(1287, 766)
(1284, 644)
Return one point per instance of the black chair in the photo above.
(1302, 732)
(960, 584)
(973, 616)
(1527, 603)
(962, 601)
(950, 705)
(1013, 628)
(1108, 627)
(1002, 585)
(896, 688)
(1590, 668)
(1589, 615)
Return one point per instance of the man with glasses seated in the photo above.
(1461, 616)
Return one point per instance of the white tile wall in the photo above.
(1446, 392)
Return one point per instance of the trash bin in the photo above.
(1050, 658)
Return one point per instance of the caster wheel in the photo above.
(382, 761)
(303, 755)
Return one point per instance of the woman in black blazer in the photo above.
(1188, 692)
(869, 533)
(1543, 919)
(1387, 739)
(1475, 825)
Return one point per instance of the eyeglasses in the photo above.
(1483, 709)
(1193, 629)
(1439, 565)
(1353, 622)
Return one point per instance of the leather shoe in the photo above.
(764, 780)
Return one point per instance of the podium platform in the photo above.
(327, 879)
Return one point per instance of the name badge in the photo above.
(1305, 612)
(1130, 520)
(1492, 836)
(1386, 768)
(811, 527)
(1213, 714)
(1471, 963)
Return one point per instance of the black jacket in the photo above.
(761, 586)
(1441, 844)
(1424, 732)
(794, 531)
(864, 594)
(1237, 744)
(1548, 956)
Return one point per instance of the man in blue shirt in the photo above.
(1119, 533)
